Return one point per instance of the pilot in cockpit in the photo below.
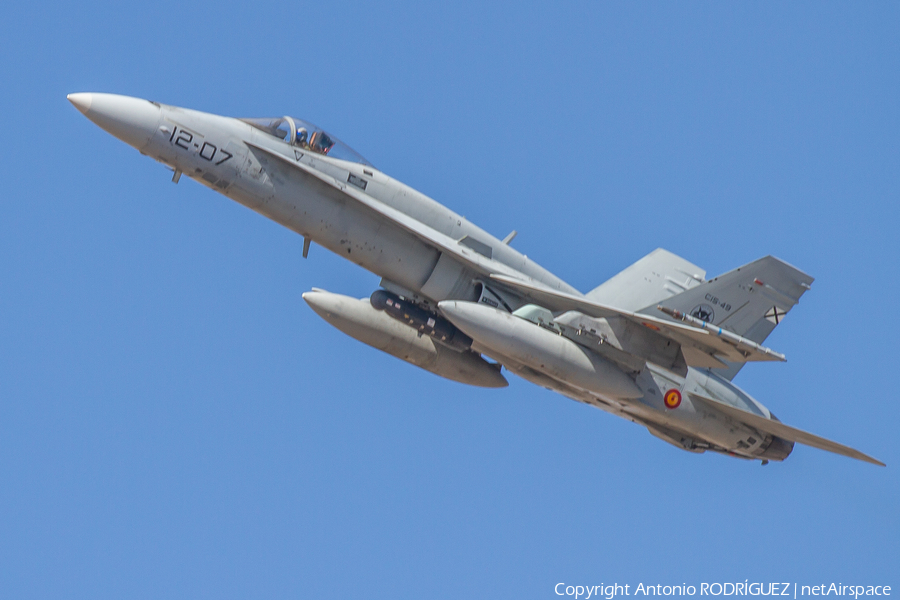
(302, 137)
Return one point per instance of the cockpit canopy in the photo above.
(303, 134)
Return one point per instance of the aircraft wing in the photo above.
(703, 349)
(704, 344)
(469, 258)
(783, 431)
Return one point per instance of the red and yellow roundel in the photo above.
(672, 399)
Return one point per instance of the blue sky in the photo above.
(175, 421)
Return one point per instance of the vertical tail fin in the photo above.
(653, 279)
(749, 301)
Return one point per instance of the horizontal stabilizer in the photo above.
(786, 432)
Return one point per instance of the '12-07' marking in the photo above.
(207, 151)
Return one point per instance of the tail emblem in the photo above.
(704, 312)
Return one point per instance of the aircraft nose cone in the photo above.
(81, 101)
(132, 120)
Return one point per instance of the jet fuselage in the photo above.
(443, 275)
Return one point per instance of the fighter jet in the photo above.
(658, 344)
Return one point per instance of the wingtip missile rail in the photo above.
(732, 338)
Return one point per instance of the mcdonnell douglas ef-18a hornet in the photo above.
(658, 344)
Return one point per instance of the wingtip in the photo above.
(864, 457)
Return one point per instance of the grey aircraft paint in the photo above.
(658, 344)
